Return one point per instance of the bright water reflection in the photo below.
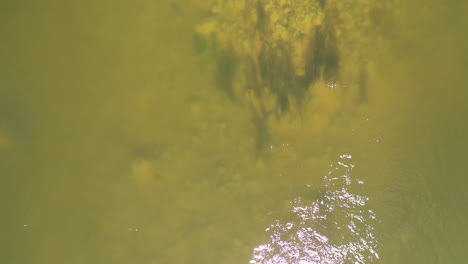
(335, 228)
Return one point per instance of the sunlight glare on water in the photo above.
(335, 228)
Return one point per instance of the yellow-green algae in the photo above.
(200, 194)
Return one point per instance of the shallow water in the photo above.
(116, 146)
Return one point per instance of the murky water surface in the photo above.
(164, 132)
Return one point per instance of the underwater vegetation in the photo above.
(271, 55)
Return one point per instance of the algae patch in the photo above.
(272, 55)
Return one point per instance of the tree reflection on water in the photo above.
(335, 228)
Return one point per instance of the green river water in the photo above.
(117, 144)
